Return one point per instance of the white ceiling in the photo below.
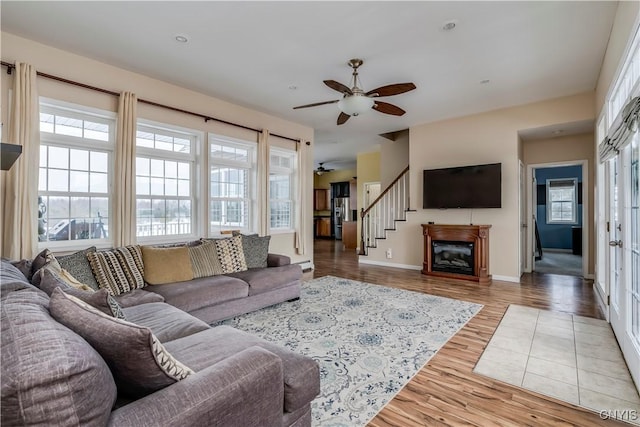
(250, 53)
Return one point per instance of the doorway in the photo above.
(558, 218)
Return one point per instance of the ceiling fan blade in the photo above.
(338, 86)
(315, 104)
(342, 118)
(385, 107)
(389, 90)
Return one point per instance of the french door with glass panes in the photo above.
(624, 252)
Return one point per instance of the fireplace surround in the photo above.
(457, 251)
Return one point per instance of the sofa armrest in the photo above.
(275, 260)
(243, 390)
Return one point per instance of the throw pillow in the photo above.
(60, 276)
(231, 255)
(256, 249)
(166, 265)
(44, 258)
(204, 260)
(101, 299)
(24, 265)
(118, 270)
(78, 265)
(138, 361)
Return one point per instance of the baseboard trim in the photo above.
(506, 278)
(306, 265)
(364, 260)
(589, 276)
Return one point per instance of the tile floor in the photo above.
(569, 357)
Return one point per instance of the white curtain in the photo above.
(301, 206)
(20, 198)
(263, 183)
(124, 200)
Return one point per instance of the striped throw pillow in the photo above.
(204, 260)
(118, 270)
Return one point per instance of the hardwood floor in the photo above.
(446, 392)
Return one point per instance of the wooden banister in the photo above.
(386, 190)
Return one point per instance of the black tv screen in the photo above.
(478, 186)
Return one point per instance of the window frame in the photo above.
(573, 201)
(292, 173)
(70, 142)
(192, 157)
(251, 166)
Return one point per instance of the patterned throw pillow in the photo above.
(78, 265)
(231, 255)
(51, 274)
(118, 270)
(256, 249)
(204, 260)
(138, 361)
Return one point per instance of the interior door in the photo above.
(523, 219)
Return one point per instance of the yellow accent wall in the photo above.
(368, 168)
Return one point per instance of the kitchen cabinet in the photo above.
(353, 194)
(323, 227)
(349, 237)
(321, 199)
(340, 189)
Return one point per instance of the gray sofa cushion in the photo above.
(50, 376)
(165, 321)
(301, 373)
(24, 265)
(137, 297)
(202, 292)
(139, 363)
(262, 280)
(78, 265)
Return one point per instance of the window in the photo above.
(232, 183)
(281, 189)
(75, 174)
(561, 201)
(165, 193)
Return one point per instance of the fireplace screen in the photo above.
(452, 257)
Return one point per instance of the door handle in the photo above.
(615, 243)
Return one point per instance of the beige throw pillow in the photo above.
(166, 265)
(204, 260)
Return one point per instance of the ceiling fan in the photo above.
(356, 101)
(321, 169)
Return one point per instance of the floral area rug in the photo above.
(369, 340)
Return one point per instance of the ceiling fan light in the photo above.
(319, 172)
(355, 104)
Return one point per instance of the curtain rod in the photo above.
(144, 101)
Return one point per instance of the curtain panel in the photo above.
(264, 211)
(124, 200)
(20, 198)
(301, 210)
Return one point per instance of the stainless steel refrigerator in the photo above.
(340, 214)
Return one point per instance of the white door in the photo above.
(523, 219)
(616, 272)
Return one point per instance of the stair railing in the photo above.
(390, 206)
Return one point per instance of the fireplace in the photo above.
(452, 257)
(457, 251)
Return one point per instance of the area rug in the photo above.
(369, 340)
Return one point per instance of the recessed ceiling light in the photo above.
(181, 38)
(485, 81)
(557, 132)
(449, 25)
(293, 87)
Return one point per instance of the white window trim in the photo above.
(574, 202)
(52, 106)
(196, 138)
(293, 174)
(251, 165)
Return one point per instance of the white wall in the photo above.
(82, 69)
(489, 137)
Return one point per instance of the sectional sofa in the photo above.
(74, 357)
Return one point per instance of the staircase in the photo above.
(389, 208)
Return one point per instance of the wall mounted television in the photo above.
(478, 186)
